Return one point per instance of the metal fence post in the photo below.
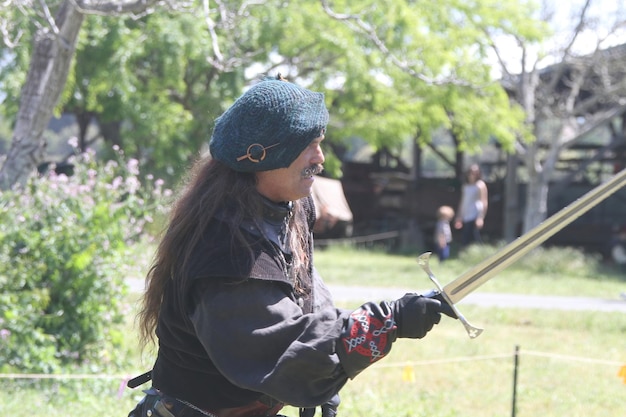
(515, 367)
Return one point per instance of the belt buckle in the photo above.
(161, 410)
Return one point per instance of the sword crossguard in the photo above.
(472, 331)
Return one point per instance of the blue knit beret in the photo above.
(268, 126)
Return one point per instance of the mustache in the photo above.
(312, 170)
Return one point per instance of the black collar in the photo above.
(276, 212)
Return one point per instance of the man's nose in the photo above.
(318, 158)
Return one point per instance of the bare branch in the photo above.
(7, 26)
(226, 25)
(246, 4)
(520, 148)
(10, 42)
(40, 15)
(210, 24)
(501, 61)
(580, 27)
(48, 17)
(133, 8)
(599, 119)
(360, 26)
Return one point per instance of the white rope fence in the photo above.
(358, 239)
(575, 359)
(443, 361)
(126, 377)
(501, 356)
(120, 390)
(64, 376)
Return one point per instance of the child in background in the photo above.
(443, 233)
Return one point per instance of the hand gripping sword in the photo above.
(491, 266)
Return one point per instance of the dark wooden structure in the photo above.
(384, 200)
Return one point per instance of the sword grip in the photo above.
(446, 308)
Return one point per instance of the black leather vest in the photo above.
(182, 368)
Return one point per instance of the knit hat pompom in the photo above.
(268, 126)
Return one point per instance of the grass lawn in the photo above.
(568, 360)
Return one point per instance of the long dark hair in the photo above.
(210, 186)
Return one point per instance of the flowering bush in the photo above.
(63, 241)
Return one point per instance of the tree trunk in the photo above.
(511, 200)
(83, 119)
(47, 75)
(536, 199)
(111, 132)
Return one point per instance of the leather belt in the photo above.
(166, 406)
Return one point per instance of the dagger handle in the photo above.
(472, 331)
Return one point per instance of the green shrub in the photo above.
(62, 242)
(548, 260)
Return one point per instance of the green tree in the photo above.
(55, 26)
(431, 67)
(156, 84)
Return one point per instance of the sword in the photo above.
(491, 266)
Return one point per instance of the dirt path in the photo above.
(612, 302)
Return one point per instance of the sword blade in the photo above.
(491, 266)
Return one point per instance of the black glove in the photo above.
(415, 315)
(445, 307)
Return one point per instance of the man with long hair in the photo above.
(244, 323)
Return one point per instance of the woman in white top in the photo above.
(472, 209)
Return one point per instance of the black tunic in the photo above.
(239, 332)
